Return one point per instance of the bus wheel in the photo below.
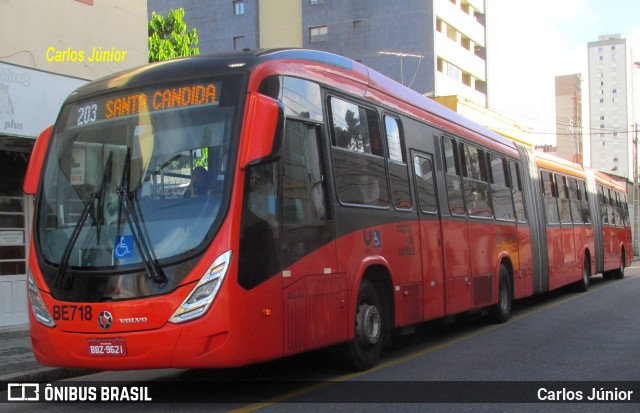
(583, 285)
(501, 312)
(363, 351)
(618, 274)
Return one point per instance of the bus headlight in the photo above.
(37, 304)
(202, 295)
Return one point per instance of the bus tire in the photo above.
(363, 352)
(583, 285)
(501, 311)
(618, 273)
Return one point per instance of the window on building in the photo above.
(466, 43)
(238, 7)
(357, 24)
(318, 34)
(454, 72)
(452, 33)
(238, 43)
(466, 79)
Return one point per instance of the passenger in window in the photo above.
(261, 196)
(474, 168)
(199, 183)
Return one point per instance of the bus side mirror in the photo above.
(30, 184)
(263, 130)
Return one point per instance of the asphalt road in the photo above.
(559, 346)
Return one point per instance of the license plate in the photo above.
(107, 347)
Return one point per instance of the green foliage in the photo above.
(168, 37)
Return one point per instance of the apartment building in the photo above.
(611, 120)
(569, 127)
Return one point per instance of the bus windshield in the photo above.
(136, 176)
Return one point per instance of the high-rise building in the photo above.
(569, 137)
(611, 120)
(436, 47)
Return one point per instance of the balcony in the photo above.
(459, 56)
(462, 22)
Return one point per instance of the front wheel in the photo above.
(363, 351)
(501, 312)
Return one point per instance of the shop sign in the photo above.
(30, 99)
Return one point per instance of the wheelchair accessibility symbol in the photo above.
(123, 247)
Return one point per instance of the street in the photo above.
(563, 336)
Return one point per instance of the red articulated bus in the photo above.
(228, 209)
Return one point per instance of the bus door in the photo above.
(455, 233)
(570, 272)
(314, 293)
(430, 234)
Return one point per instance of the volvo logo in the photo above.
(133, 320)
(105, 320)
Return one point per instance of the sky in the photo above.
(530, 42)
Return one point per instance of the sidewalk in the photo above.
(18, 364)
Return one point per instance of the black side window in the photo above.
(574, 199)
(358, 157)
(397, 164)
(452, 176)
(516, 191)
(474, 182)
(500, 190)
(425, 183)
(564, 204)
(549, 192)
(584, 202)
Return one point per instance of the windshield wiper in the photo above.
(106, 177)
(61, 279)
(154, 272)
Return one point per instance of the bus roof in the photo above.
(555, 163)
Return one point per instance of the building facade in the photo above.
(569, 128)
(611, 120)
(48, 49)
(436, 47)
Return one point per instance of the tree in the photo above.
(168, 37)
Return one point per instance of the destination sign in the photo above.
(146, 101)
